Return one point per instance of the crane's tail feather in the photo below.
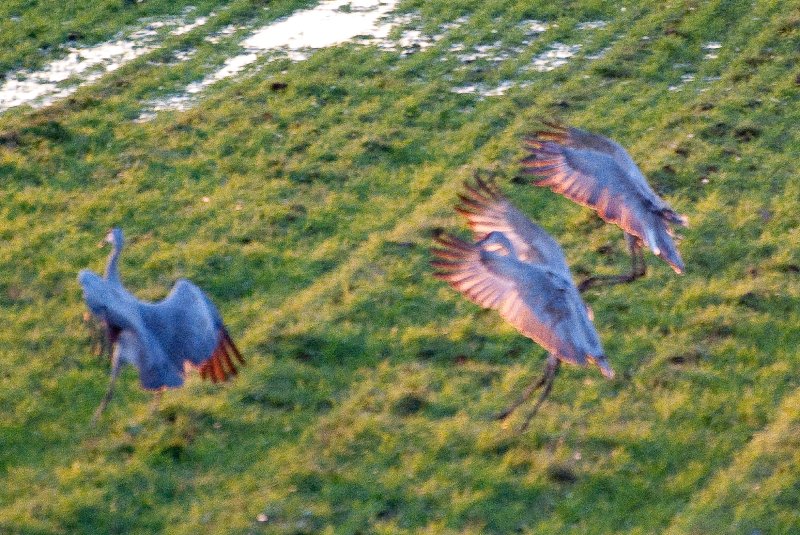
(220, 366)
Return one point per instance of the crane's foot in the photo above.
(608, 280)
(155, 403)
(545, 382)
(638, 268)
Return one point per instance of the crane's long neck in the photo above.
(112, 266)
(497, 240)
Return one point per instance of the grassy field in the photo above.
(306, 211)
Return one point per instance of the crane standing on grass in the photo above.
(597, 172)
(516, 268)
(158, 338)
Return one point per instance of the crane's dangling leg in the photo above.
(116, 366)
(550, 373)
(156, 401)
(546, 381)
(638, 268)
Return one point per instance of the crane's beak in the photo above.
(606, 370)
(105, 241)
(602, 363)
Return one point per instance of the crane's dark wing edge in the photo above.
(220, 366)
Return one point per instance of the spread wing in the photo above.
(487, 211)
(598, 173)
(132, 339)
(190, 329)
(538, 302)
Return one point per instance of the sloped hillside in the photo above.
(300, 188)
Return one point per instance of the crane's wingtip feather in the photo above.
(220, 366)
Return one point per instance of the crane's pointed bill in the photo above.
(603, 364)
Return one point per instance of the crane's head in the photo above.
(114, 237)
(498, 242)
(601, 362)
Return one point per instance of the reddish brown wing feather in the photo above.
(220, 366)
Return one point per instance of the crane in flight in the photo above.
(516, 268)
(597, 172)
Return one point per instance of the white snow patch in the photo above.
(466, 89)
(297, 36)
(219, 35)
(710, 46)
(186, 28)
(500, 90)
(535, 26)
(483, 90)
(558, 55)
(83, 65)
(592, 25)
(600, 54)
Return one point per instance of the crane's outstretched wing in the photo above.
(190, 329)
(598, 173)
(487, 211)
(132, 339)
(539, 302)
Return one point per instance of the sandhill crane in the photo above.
(516, 268)
(597, 172)
(159, 338)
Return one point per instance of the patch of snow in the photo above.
(483, 90)
(592, 25)
(297, 36)
(186, 28)
(83, 65)
(713, 45)
(600, 54)
(558, 55)
(535, 26)
(219, 35)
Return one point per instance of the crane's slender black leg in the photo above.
(116, 365)
(638, 268)
(550, 374)
(156, 401)
(546, 380)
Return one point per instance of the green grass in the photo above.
(365, 405)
